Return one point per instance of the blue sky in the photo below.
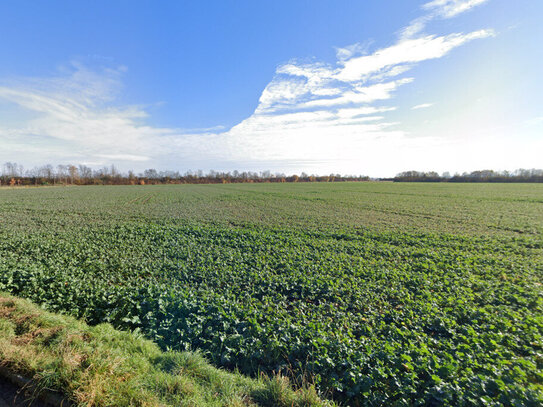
(359, 87)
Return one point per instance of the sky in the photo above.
(353, 87)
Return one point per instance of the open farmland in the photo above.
(379, 293)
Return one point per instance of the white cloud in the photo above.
(422, 106)
(405, 52)
(344, 53)
(123, 157)
(362, 111)
(73, 112)
(416, 26)
(451, 8)
(359, 95)
(438, 9)
(285, 91)
(329, 112)
(306, 85)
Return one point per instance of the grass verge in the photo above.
(100, 366)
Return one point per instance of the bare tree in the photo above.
(74, 173)
(62, 173)
(85, 173)
(12, 170)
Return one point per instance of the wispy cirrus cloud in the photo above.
(422, 106)
(438, 9)
(404, 53)
(451, 8)
(328, 113)
(74, 113)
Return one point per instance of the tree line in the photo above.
(520, 175)
(14, 174)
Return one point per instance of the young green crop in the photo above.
(380, 294)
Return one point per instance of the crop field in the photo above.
(378, 293)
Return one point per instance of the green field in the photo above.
(379, 293)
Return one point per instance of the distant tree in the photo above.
(47, 172)
(85, 173)
(74, 173)
(62, 173)
(150, 173)
(12, 170)
(131, 177)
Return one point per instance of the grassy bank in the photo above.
(100, 366)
